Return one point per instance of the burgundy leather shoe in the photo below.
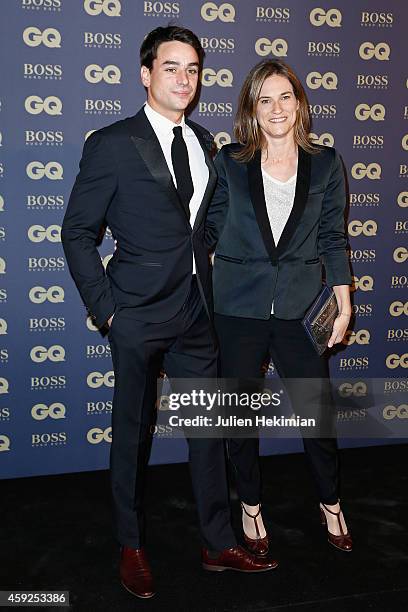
(237, 559)
(343, 541)
(135, 572)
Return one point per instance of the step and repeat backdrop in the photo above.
(69, 67)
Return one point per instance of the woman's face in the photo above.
(276, 108)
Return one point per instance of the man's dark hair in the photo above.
(148, 49)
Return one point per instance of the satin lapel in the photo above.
(256, 191)
(301, 194)
(148, 146)
(212, 176)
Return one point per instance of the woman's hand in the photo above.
(340, 326)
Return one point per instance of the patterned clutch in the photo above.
(319, 319)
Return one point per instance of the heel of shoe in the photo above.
(323, 520)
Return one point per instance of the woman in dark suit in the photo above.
(276, 221)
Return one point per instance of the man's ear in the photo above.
(145, 76)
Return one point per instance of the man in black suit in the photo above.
(150, 179)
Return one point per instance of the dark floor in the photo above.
(56, 534)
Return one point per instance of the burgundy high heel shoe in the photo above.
(342, 541)
(258, 546)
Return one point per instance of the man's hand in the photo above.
(110, 320)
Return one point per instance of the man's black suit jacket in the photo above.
(124, 183)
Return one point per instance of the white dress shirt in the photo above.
(163, 129)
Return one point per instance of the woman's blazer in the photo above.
(250, 270)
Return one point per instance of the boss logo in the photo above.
(394, 361)
(161, 8)
(354, 363)
(368, 50)
(40, 412)
(398, 308)
(402, 199)
(39, 295)
(368, 228)
(401, 227)
(97, 435)
(49, 439)
(278, 47)
(395, 385)
(110, 74)
(403, 170)
(325, 139)
(2, 233)
(398, 282)
(5, 414)
(224, 12)
(219, 109)
(372, 81)
(324, 111)
(52, 170)
(397, 334)
(222, 138)
(404, 142)
(98, 350)
(364, 111)
(2, 265)
(319, 17)
(98, 407)
(111, 8)
(405, 115)
(47, 324)
(223, 77)
(319, 48)
(328, 80)
(371, 171)
(364, 283)
(96, 379)
(1, 170)
(400, 255)
(40, 202)
(41, 137)
(3, 295)
(223, 45)
(4, 355)
(4, 443)
(356, 389)
(1, 203)
(38, 233)
(91, 325)
(364, 141)
(50, 105)
(270, 13)
(362, 255)
(103, 107)
(3, 327)
(48, 382)
(46, 5)
(362, 310)
(380, 19)
(360, 337)
(392, 412)
(50, 37)
(43, 71)
(54, 353)
(101, 39)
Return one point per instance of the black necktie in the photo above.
(181, 167)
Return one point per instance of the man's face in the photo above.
(172, 81)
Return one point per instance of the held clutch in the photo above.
(319, 319)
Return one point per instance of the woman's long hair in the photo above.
(246, 127)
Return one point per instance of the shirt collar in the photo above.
(161, 124)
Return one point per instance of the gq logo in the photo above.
(360, 337)
(401, 412)
(400, 255)
(398, 308)
(111, 8)
(395, 361)
(325, 139)
(404, 142)
(368, 228)
(96, 379)
(36, 105)
(369, 50)
(221, 139)
(3, 327)
(52, 170)
(223, 77)
(364, 283)
(402, 199)
(277, 47)
(375, 112)
(225, 12)
(50, 37)
(328, 80)
(4, 385)
(4, 443)
(55, 353)
(110, 74)
(39, 295)
(90, 324)
(371, 171)
(39, 412)
(38, 233)
(97, 435)
(358, 389)
(332, 17)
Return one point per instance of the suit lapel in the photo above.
(256, 191)
(149, 149)
(212, 174)
(301, 194)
